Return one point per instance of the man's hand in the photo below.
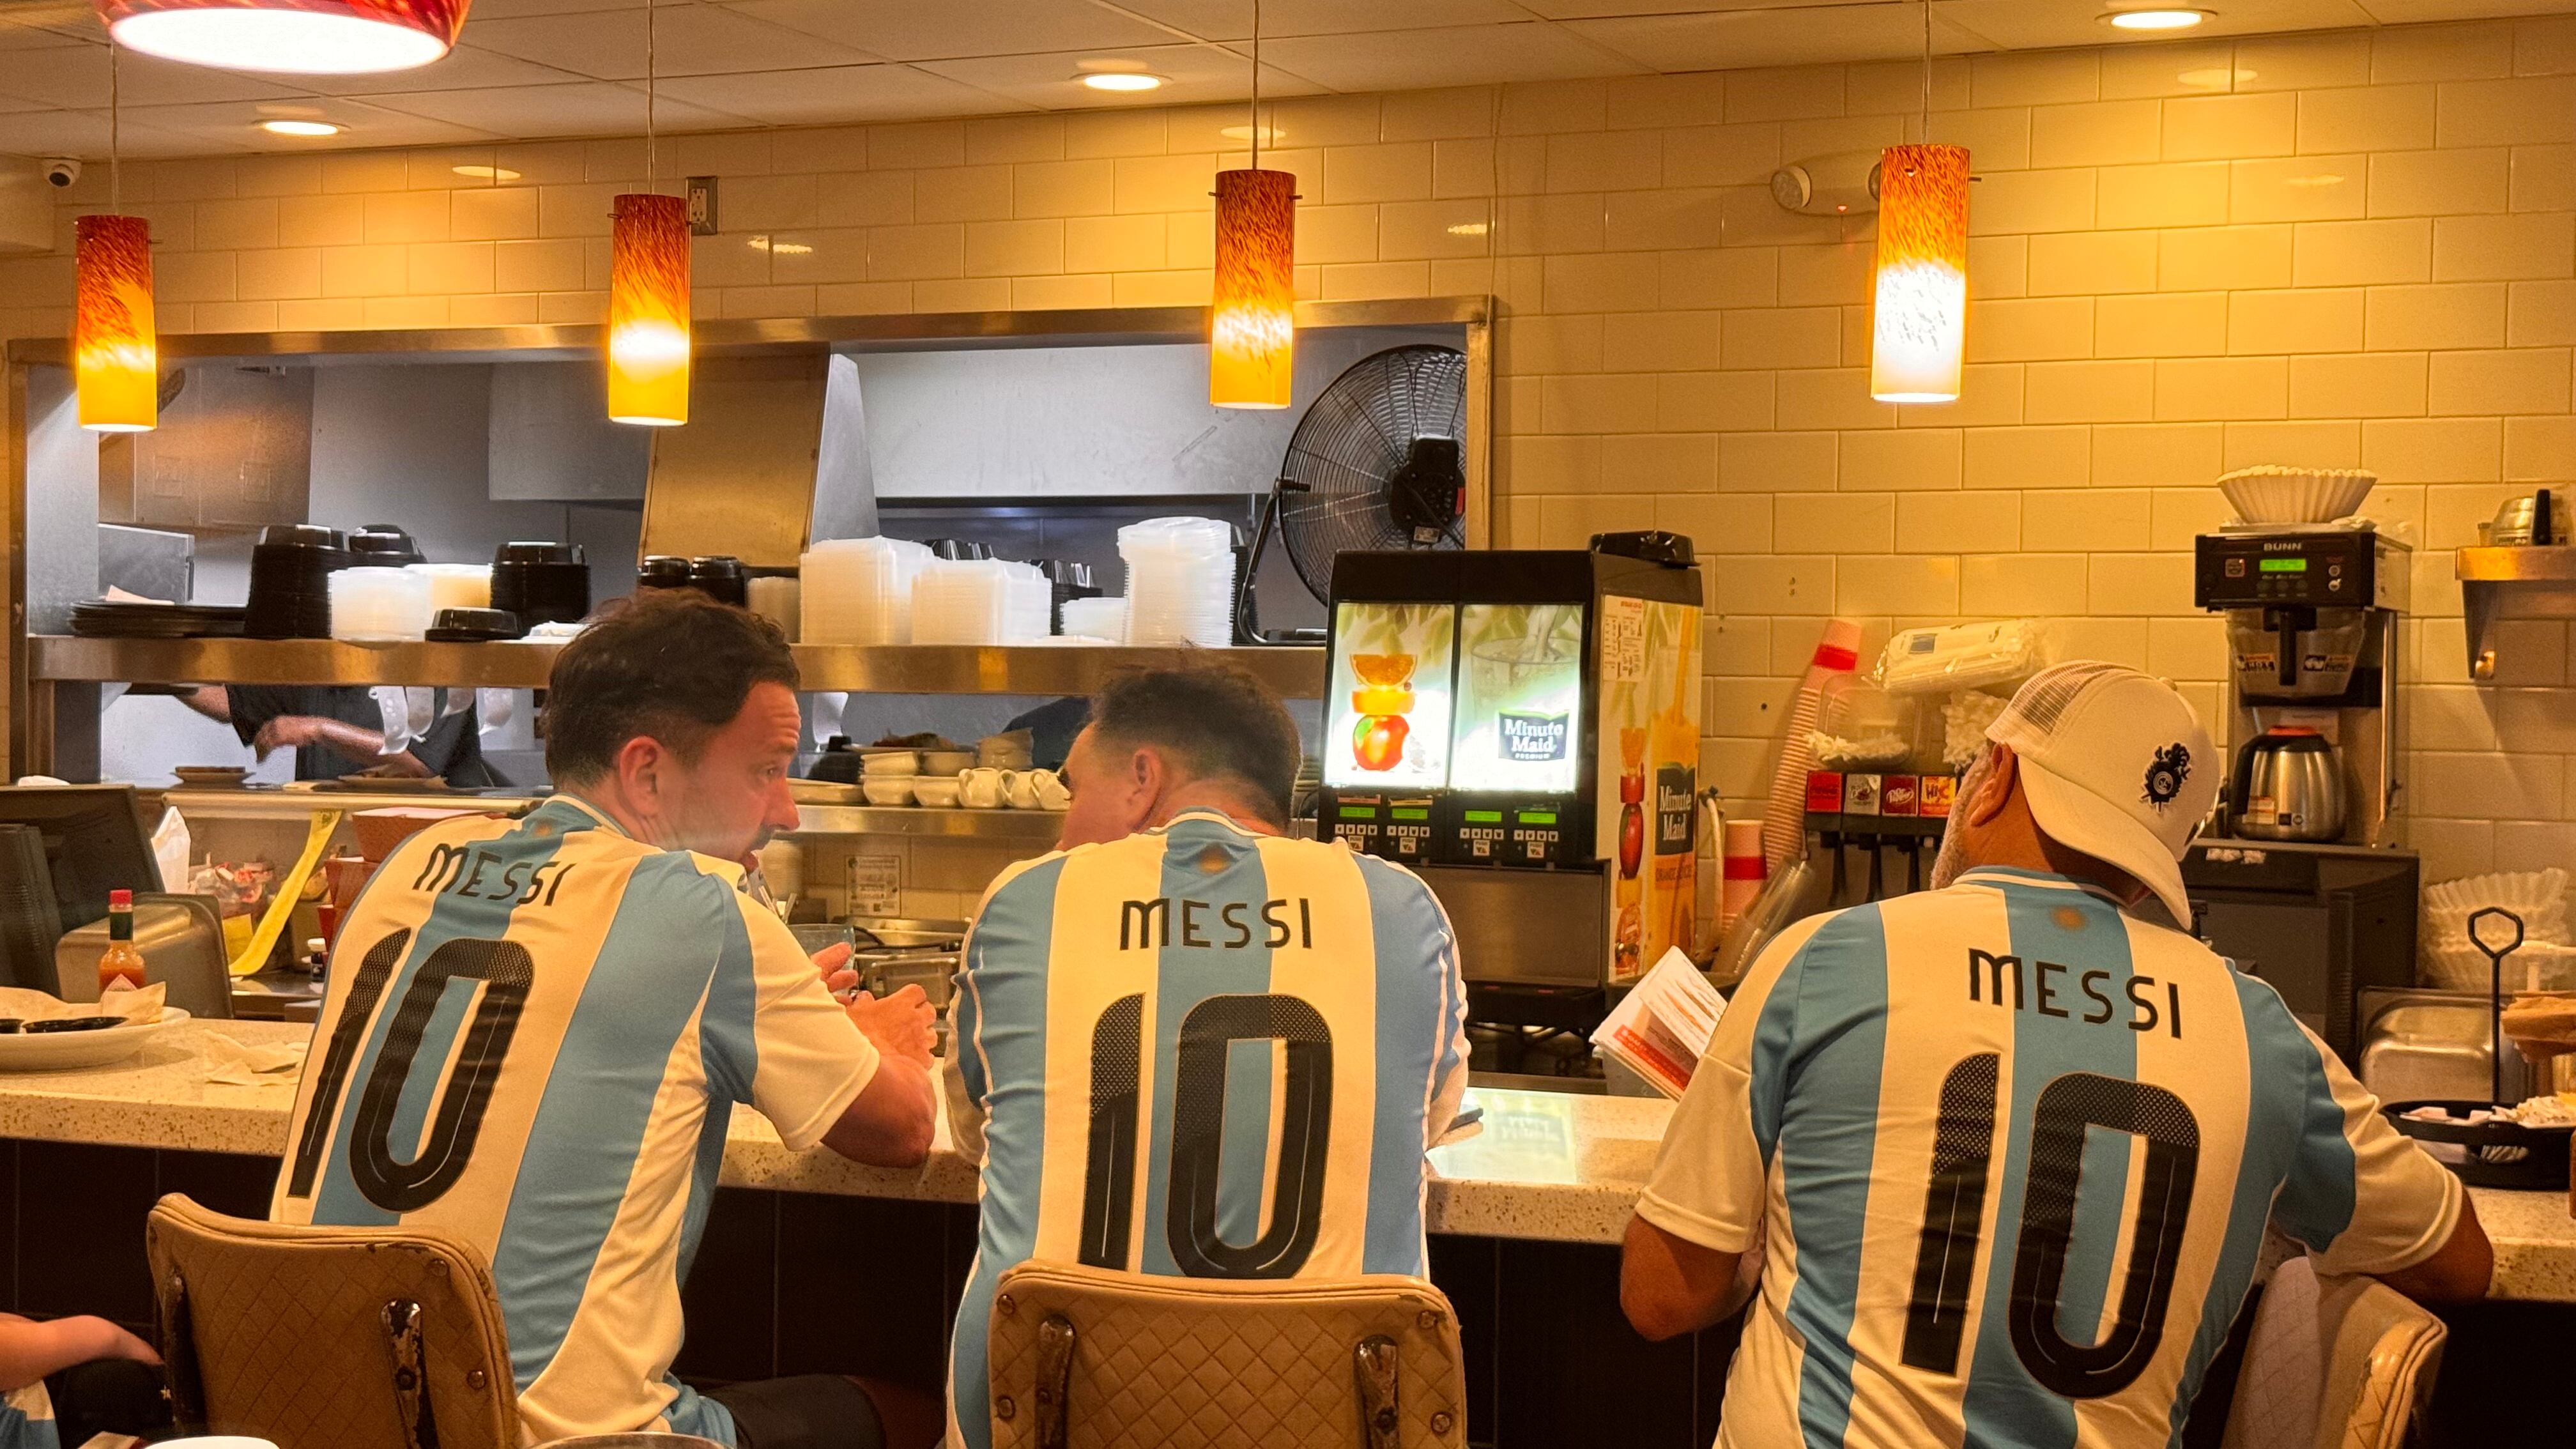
(287, 732)
(899, 1025)
(832, 963)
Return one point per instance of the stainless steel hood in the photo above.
(739, 479)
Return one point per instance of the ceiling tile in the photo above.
(1733, 39)
(1527, 50)
(18, 35)
(76, 75)
(584, 108)
(84, 133)
(2034, 24)
(1232, 19)
(943, 30)
(833, 94)
(234, 123)
(1614, 9)
(467, 67)
(1192, 73)
(689, 40)
(2409, 12)
(514, 9)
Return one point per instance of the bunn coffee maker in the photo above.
(1521, 728)
(2313, 612)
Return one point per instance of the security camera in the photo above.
(62, 171)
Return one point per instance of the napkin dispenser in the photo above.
(182, 940)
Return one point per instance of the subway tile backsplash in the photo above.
(2342, 249)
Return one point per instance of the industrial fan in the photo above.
(1378, 462)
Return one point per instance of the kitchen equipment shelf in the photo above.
(2499, 583)
(1012, 827)
(897, 668)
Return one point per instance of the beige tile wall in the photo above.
(2351, 249)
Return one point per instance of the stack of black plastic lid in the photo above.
(103, 619)
(290, 573)
(473, 626)
(719, 576)
(662, 571)
(384, 546)
(542, 583)
(1066, 579)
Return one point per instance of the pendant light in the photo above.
(648, 291)
(311, 37)
(1919, 328)
(116, 363)
(1252, 324)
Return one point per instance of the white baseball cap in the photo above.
(2116, 765)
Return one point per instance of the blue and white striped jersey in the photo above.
(27, 1419)
(534, 1037)
(2010, 1154)
(1201, 1052)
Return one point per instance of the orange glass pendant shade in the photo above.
(1919, 331)
(310, 37)
(1252, 328)
(116, 362)
(648, 311)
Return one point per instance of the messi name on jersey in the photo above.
(1216, 925)
(458, 870)
(2087, 997)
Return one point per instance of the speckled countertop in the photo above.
(1548, 1165)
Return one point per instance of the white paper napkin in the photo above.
(238, 1064)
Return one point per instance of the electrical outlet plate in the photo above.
(702, 206)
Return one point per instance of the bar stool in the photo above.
(1107, 1360)
(2341, 1363)
(330, 1338)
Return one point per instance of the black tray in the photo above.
(2538, 1154)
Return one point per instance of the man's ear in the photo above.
(1997, 788)
(640, 762)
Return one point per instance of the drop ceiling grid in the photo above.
(540, 69)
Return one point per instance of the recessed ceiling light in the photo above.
(2155, 19)
(486, 173)
(284, 127)
(1121, 80)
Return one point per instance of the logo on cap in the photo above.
(2164, 778)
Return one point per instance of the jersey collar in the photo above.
(600, 819)
(1209, 813)
(2008, 875)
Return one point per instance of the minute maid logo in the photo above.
(1530, 739)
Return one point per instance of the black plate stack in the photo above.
(101, 619)
(290, 581)
(474, 626)
(542, 583)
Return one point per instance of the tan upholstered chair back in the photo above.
(330, 1338)
(2338, 1363)
(1086, 1358)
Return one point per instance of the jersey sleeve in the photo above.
(2360, 1194)
(1712, 1173)
(1449, 1068)
(802, 1060)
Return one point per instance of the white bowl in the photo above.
(2273, 494)
(935, 792)
(881, 791)
(890, 764)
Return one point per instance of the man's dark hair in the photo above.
(1217, 722)
(673, 665)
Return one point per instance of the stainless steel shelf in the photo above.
(1015, 827)
(904, 669)
(2511, 583)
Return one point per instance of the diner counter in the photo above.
(1556, 1166)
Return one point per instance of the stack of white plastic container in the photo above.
(980, 601)
(379, 605)
(1096, 619)
(859, 590)
(1180, 581)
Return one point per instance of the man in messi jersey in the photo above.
(2006, 1154)
(1188, 1045)
(537, 1031)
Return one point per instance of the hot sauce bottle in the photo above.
(120, 964)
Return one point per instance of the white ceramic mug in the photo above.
(1051, 790)
(982, 788)
(1020, 788)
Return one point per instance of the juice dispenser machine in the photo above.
(1521, 728)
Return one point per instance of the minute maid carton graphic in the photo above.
(1649, 777)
